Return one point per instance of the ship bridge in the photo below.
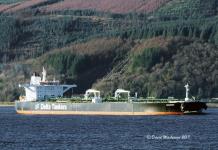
(42, 89)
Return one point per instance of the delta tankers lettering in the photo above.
(45, 106)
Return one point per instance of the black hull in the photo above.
(122, 108)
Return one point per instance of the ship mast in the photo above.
(187, 92)
(44, 75)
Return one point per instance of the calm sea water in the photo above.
(108, 132)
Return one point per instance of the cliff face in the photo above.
(154, 48)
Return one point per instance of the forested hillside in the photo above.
(152, 47)
(159, 67)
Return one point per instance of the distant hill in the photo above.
(189, 8)
(156, 67)
(173, 8)
(152, 47)
(114, 6)
(160, 67)
(13, 6)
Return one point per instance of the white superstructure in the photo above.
(121, 91)
(95, 95)
(42, 89)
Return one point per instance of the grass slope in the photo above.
(113, 6)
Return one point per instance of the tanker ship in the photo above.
(43, 97)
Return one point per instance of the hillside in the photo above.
(155, 67)
(17, 5)
(113, 6)
(160, 67)
(82, 64)
(167, 8)
(152, 47)
(189, 9)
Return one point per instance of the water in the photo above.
(108, 132)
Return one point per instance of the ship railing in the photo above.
(134, 99)
(154, 100)
(112, 99)
(79, 98)
(68, 100)
(212, 100)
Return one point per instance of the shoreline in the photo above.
(212, 105)
(5, 104)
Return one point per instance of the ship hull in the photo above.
(122, 108)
